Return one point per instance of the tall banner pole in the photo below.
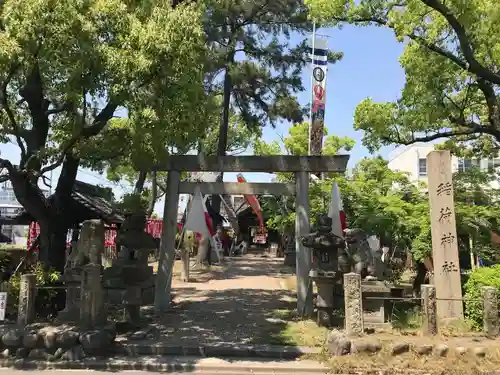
(319, 61)
(311, 53)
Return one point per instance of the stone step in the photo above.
(139, 348)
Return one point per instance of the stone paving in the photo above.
(237, 304)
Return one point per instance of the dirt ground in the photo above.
(243, 301)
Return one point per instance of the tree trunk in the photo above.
(224, 126)
(141, 180)
(52, 250)
(154, 194)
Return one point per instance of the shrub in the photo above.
(482, 276)
(44, 297)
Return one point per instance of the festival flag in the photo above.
(318, 52)
(198, 220)
(336, 212)
(253, 202)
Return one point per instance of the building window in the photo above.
(465, 165)
(493, 164)
(422, 167)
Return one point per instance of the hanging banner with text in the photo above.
(319, 61)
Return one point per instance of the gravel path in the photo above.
(237, 305)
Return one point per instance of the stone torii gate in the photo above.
(302, 166)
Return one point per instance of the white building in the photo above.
(413, 159)
(10, 207)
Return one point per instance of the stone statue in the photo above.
(360, 256)
(89, 247)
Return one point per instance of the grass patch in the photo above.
(410, 363)
(405, 317)
(6, 247)
(295, 331)
(457, 328)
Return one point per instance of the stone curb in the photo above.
(161, 366)
(217, 350)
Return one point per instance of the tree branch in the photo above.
(465, 44)
(5, 164)
(98, 124)
(59, 109)
(5, 103)
(475, 129)
(491, 102)
(470, 64)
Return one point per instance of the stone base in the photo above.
(290, 260)
(129, 272)
(120, 296)
(72, 315)
(375, 325)
(374, 309)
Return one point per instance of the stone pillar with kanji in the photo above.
(444, 237)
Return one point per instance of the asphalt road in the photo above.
(196, 365)
(87, 372)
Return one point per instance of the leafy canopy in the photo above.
(281, 211)
(68, 67)
(452, 65)
(387, 203)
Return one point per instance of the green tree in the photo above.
(67, 67)
(281, 210)
(133, 161)
(387, 203)
(451, 61)
(255, 71)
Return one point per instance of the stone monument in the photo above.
(444, 236)
(129, 281)
(81, 243)
(92, 309)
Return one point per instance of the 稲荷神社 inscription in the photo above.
(444, 236)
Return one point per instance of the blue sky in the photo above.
(370, 68)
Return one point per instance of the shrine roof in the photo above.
(87, 202)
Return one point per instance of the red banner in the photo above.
(153, 227)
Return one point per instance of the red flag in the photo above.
(253, 202)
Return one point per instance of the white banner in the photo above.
(3, 304)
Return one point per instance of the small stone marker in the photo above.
(429, 319)
(490, 311)
(27, 293)
(353, 303)
(444, 236)
(92, 309)
(92, 312)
